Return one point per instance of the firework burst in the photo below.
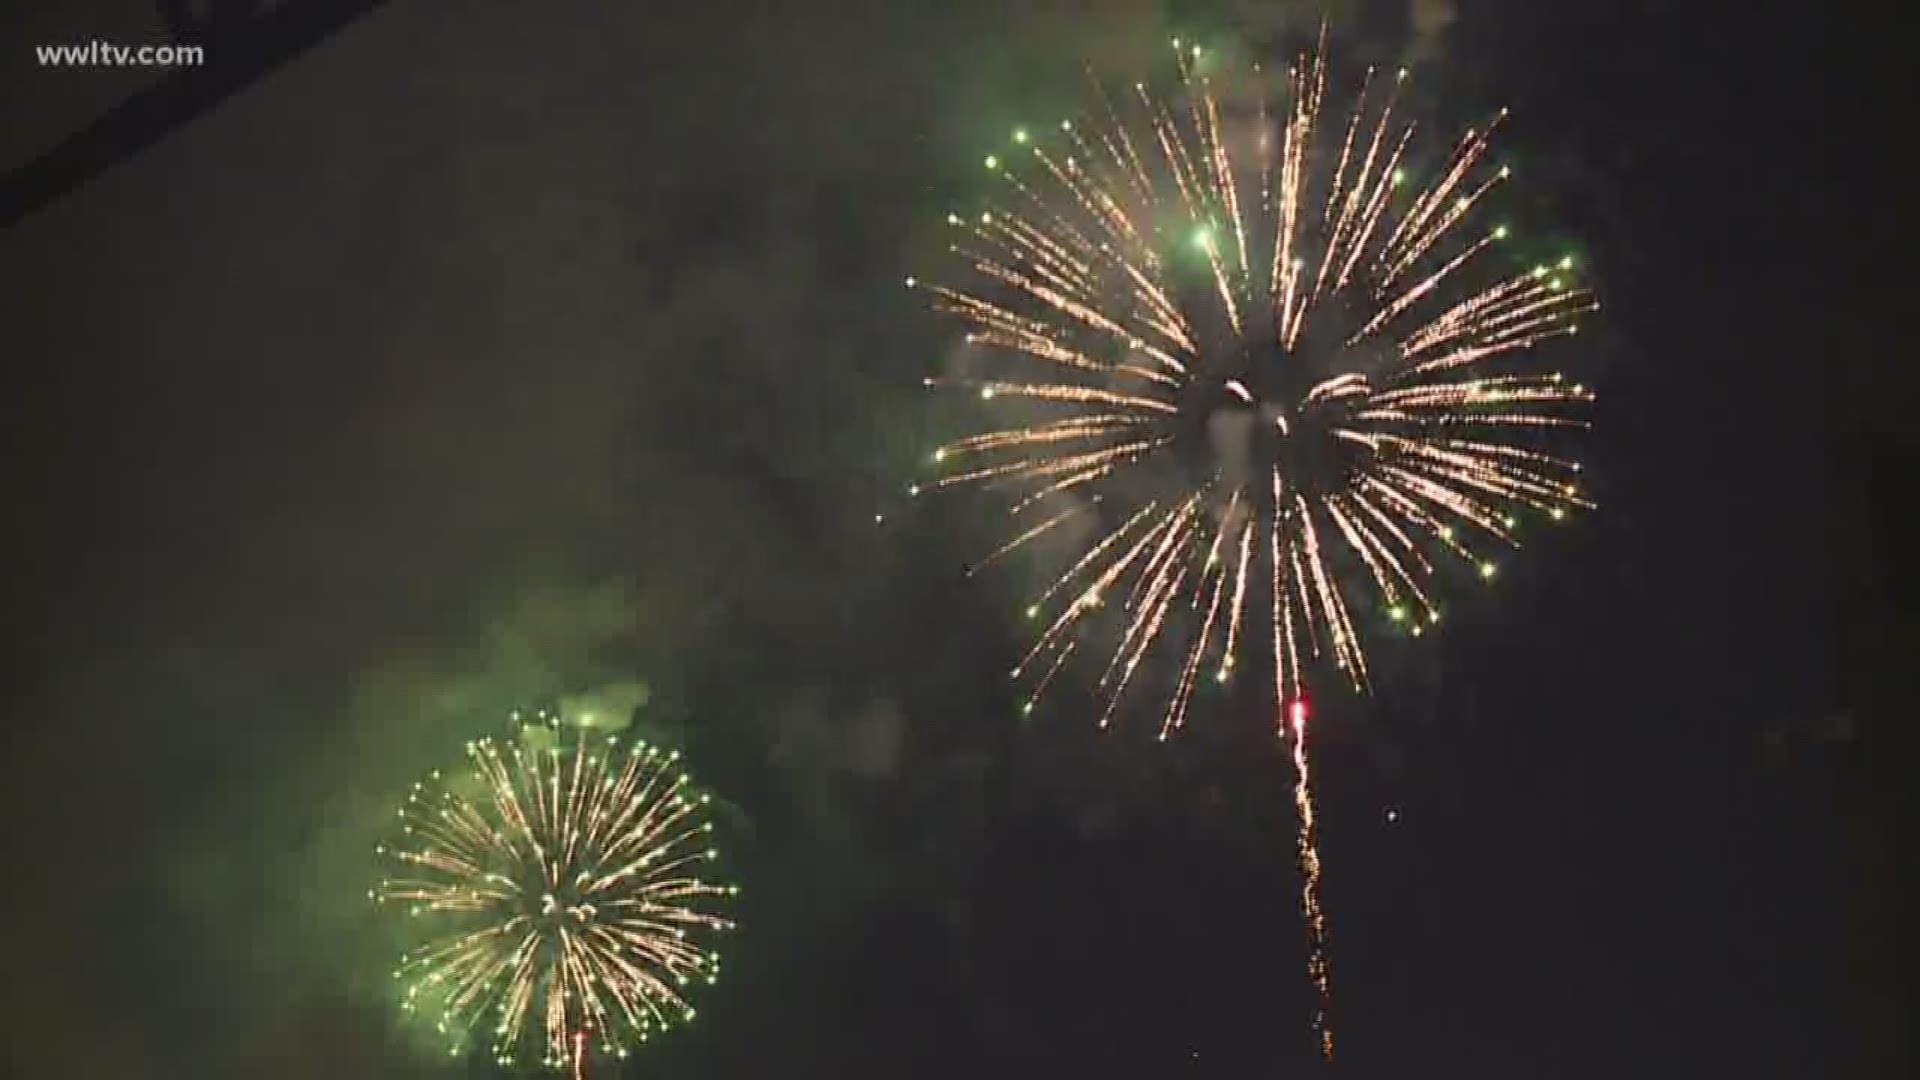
(558, 891)
(1268, 377)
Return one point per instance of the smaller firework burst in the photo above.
(557, 893)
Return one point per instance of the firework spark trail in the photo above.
(1317, 965)
(1162, 275)
(559, 898)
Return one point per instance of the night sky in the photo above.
(480, 356)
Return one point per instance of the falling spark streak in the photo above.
(1165, 266)
(1023, 538)
(558, 890)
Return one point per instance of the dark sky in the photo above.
(480, 356)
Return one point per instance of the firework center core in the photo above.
(564, 907)
(1255, 427)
